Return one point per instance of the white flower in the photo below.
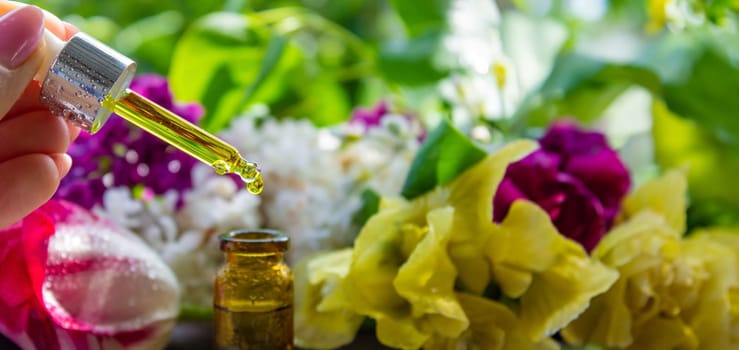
(305, 183)
(502, 58)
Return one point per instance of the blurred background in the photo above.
(658, 76)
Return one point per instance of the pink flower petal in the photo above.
(604, 174)
(76, 281)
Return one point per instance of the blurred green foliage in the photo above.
(692, 74)
(317, 59)
(311, 59)
(145, 30)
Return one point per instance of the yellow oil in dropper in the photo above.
(187, 137)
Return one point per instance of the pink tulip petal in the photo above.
(74, 281)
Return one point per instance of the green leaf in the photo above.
(581, 87)
(370, 205)
(420, 16)
(275, 49)
(711, 165)
(412, 62)
(219, 58)
(230, 62)
(445, 153)
(324, 101)
(707, 94)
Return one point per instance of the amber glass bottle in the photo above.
(253, 297)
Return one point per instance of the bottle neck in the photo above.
(255, 259)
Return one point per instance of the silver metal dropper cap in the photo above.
(85, 73)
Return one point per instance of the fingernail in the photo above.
(63, 163)
(20, 33)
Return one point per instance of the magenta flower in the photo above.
(74, 281)
(370, 117)
(122, 155)
(575, 177)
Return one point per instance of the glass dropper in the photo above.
(86, 81)
(187, 137)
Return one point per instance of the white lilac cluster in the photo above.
(186, 237)
(313, 181)
(314, 177)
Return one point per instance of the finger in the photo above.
(70, 30)
(28, 102)
(73, 131)
(61, 29)
(27, 182)
(20, 34)
(35, 132)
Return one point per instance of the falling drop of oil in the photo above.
(256, 185)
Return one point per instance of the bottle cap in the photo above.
(81, 77)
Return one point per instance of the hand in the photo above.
(32, 141)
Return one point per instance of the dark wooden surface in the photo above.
(199, 336)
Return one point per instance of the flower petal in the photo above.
(665, 334)
(672, 292)
(322, 318)
(92, 260)
(604, 174)
(565, 137)
(560, 294)
(492, 326)
(376, 258)
(427, 279)
(84, 283)
(666, 195)
(563, 277)
(400, 333)
(472, 197)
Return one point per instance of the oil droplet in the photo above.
(256, 185)
(220, 166)
(250, 174)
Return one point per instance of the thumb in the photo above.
(20, 33)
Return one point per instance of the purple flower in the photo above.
(121, 154)
(575, 177)
(371, 117)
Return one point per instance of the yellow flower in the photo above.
(666, 196)
(525, 255)
(672, 293)
(552, 275)
(407, 256)
(492, 327)
(322, 320)
(728, 238)
(657, 10)
(417, 266)
(471, 195)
